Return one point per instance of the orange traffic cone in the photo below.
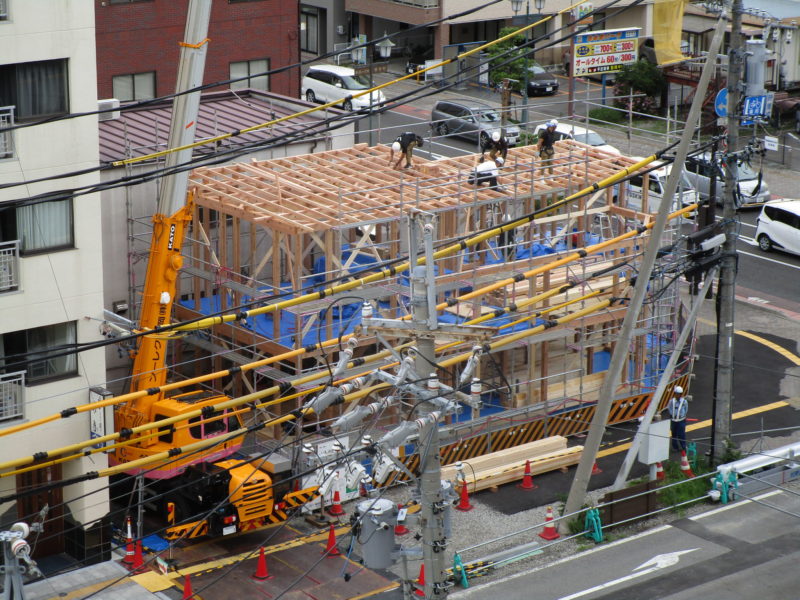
(527, 479)
(549, 532)
(596, 470)
(400, 529)
(686, 469)
(463, 504)
(188, 594)
(659, 472)
(129, 551)
(138, 561)
(336, 508)
(331, 549)
(262, 574)
(421, 581)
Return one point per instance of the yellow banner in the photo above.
(667, 24)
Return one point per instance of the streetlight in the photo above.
(516, 6)
(385, 51)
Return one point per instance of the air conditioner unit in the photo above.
(107, 105)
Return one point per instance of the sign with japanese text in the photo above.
(605, 51)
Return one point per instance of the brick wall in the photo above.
(143, 36)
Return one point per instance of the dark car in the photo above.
(541, 82)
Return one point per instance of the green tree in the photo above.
(511, 65)
(642, 77)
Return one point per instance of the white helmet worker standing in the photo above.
(678, 407)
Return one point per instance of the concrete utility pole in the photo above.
(185, 107)
(723, 394)
(619, 358)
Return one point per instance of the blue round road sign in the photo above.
(721, 103)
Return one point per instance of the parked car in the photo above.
(778, 226)
(326, 83)
(568, 131)
(685, 194)
(753, 189)
(541, 82)
(470, 120)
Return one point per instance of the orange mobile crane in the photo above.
(209, 492)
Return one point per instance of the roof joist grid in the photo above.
(348, 187)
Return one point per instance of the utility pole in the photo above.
(723, 393)
(619, 357)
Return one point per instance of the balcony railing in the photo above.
(415, 3)
(6, 137)
(12, 396)
(9, 266)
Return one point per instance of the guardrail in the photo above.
(6, 120)
(9, 266)
(12, 396)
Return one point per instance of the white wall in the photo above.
(65, 285)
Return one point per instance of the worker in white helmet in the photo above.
(678, 407)
(496, 144)
(547, 137)
(404, 144)
(486, 172)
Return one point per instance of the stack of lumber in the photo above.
(505, 466)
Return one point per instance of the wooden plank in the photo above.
(512, 455)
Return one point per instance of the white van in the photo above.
(326, 83)
(657, 181)
(778, 226)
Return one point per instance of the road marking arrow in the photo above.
(658, 562)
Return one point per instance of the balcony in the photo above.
(9, 266)
(415, 12)
(6, 120)
(12, 396)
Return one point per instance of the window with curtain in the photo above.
(30, 349)
(41, 227)
(36, 89)
(246, 68)
(135, 86)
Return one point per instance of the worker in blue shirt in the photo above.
(678, 407)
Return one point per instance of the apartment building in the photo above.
(138, 46)
(51, 285)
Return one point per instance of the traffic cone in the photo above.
(596, 470)
(421, 581)
(331, 549)
(400, 529)
(686, 469)
(659, 472)
(129, 551)
(463, 504)
(188, 594)
(549, 532)
(262, 574)
(138, 560)
(336, 508)
(527, 479)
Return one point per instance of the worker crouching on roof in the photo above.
(486, 172)
(547, 137)
(497, 145)
(405, 144)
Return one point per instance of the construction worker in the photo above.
(486, 172)
(405, 144)
(678, 407)
(547, 137)
(497, 145)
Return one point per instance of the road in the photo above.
(742, 551)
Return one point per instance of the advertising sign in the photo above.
(605, 51)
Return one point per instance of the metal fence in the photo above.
(6, 120)
(12, 396)
(9, 266)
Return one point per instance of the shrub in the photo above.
(642, 77)
(609, 115)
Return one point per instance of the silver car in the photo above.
(471, 120)
(753, 189)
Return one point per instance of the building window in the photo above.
(23, 348)
(3, 10)
(41, 227)
(36, 89)
(247, 68)
(136, 86)
(309, 29)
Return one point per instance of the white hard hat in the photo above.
(678, 389)
(396, 146)
(552, 123)
(496, 136)
(499, 161)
